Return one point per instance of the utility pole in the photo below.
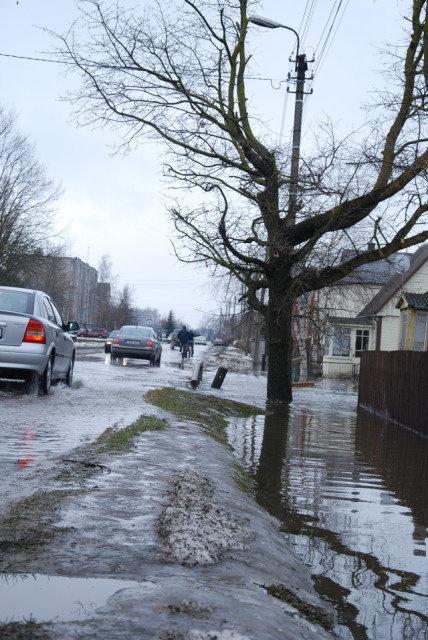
(301, 68)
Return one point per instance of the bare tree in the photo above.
(48, 270)
(26, 204)
(105, 267)
(178, 73)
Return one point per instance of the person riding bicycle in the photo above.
(192, 336)
(185, 337)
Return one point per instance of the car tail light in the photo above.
(115, 341)
(149, 343)
(35, 332)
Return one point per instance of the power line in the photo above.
(299, 30)
(325, 26)
(326, 48)
(321, 61)
(32, 58)
(308, 21)
(279, 81)
(324, 45)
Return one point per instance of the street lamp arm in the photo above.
(271, 24)
(283, 26)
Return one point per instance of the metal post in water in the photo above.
(219, 378)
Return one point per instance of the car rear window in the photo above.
(18, 301)
(136, 332)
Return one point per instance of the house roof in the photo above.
(360, 321)
(379, 272)
(418, 301)
(395, 283)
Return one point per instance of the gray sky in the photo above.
(115, 204)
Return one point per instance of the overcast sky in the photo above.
(114, 204)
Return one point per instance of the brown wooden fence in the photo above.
(394, 385)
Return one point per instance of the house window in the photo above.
(326, 345)
(420, 332)
(361, 341)
(341, 341)
(403, 329)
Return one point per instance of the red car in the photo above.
(92, 332)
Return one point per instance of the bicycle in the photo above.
(185, 353)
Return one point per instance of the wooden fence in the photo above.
(394, 385)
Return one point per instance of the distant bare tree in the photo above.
(105, 267)
(49, 271)
(27, 198)
(122, 309)
(178, 73)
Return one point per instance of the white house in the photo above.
(383, 308)
(374, 323)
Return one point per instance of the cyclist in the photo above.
(185, 337)
(192, 336)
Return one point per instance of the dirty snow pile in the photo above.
(231, 357)
(215, 635)
(194, 528)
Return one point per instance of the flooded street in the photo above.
(352, 496)
(35, 430)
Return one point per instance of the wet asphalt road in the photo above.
(35, 430)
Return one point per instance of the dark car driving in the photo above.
(137, 342)
(109, 339)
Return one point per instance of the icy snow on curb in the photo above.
(194, 528)
(215, 635)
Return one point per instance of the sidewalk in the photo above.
(196, 553)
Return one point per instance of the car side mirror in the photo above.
(72, 326)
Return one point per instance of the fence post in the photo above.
(197, 374)
(219, 378)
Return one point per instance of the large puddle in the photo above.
(54, 598)
(352, 494)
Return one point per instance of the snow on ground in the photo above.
(194, 527)
(230, 357)
(110, 531)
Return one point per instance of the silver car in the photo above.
(35, 345)
(137, 342)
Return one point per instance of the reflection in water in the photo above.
(352, 496)
(26, 449)
(41, 597)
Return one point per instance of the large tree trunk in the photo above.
(279, 345)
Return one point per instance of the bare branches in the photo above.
(26, 203)
(179, 74)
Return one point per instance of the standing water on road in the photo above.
(352, 494)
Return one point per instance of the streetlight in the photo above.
(301, 67)
(272, 24)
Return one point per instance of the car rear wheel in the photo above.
(153, 360)
(69, 375)
(158, 361)
(45, 380)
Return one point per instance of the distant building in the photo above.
(383, 308)
(81, 299)
(414, 321)
(73, 285)
(376, 324)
